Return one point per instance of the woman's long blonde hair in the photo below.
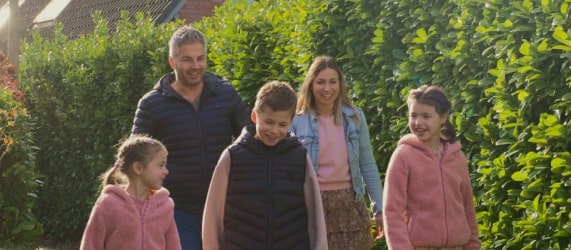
(306, 100)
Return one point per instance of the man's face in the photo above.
(189, 64)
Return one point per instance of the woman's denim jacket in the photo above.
(364, 171)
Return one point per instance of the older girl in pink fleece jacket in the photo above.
(138, 215)
(428, 194)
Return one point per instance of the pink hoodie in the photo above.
(427, 202)
(116, 223)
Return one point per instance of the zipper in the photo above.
(145, 205)
(270, 199)
(440, 166)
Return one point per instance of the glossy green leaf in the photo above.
(560, 35)
(519, 176)
(421, 36)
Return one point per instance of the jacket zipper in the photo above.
(440, 165)
(201, 145)
(270, 198)
(145, 205)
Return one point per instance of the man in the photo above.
(196, 115)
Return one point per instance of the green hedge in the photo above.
(252, 43)
(505, 66)
(84, 98)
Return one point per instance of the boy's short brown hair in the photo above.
(277, 95)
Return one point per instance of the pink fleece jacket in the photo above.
(116, 223)
(427, 202)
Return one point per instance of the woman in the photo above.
(336, 136)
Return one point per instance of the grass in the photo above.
(41, 244)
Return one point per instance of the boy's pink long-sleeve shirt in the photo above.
(116, 223)
(213, 220)
(428, 202)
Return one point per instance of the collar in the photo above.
(211, 84)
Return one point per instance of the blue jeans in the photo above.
(189, 226)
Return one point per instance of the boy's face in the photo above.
(271, 126)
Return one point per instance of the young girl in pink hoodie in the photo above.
(427, 199)
(134, 211)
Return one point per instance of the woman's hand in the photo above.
(379, 222)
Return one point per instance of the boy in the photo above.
(264, 192)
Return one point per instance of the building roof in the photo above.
(77, 16)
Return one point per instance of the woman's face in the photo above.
(325, 88)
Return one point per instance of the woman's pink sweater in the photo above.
(427, 202)
(116, 223)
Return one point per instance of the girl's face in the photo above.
(425, 122)
(155, 171)
(325, 88)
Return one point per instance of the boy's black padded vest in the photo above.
(265, 204)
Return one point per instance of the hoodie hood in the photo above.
(158, 199)
(413, 141)
(116, 222)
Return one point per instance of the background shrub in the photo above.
(18, 175)
(505, 66)
(253, 43)
(84, 98)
